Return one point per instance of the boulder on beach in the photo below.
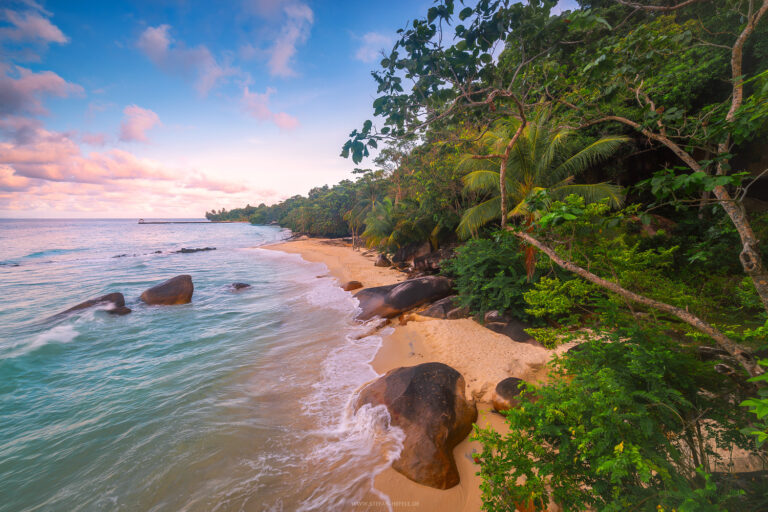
(506, 393)
(514, 329)
(177, 290)
(427, 402)
(440, 308)
(382, 261)
(391, 300)
(408, 253)
(351, 285)
(431, 262)
(239, 286)
(116, 299)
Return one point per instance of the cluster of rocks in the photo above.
(416, 258)
(174, 291)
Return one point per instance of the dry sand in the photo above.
(482, 356)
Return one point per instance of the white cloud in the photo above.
(22, 90)
(371, 45)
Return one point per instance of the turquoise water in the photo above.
(237, 401)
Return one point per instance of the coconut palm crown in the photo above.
(544, 157)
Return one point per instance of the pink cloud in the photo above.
(257, 106)
(158, 45)
(94, 139)
(30, 27)
(295, 31)
(22, 90)
(136, 123)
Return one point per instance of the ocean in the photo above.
(236, 401)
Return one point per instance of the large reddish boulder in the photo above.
(427, 402)
(391, 300)
(351, 285)
(177, 290)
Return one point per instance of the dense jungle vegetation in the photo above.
(602, 174)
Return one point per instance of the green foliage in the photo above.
(759, 405)
(490, 275)
(560, 300)
(621, 426)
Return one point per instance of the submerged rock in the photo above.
(506, 393)
(426, 401)
(391, 300)
(351, 285)
(239, 286)
(177, 290)
(185, 250)
(116, 299)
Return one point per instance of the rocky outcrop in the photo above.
(440, 308)
(185, 250)
(426, 401)
(239, 286)
(391, 300)
(382, 261)
(407, 254)
(431, 262)
(457, 313)
(177, 290)
(116, 299)
(506, 393)
(514, 329)
(351, 285)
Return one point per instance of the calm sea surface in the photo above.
(237, 401)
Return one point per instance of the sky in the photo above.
(170, 108)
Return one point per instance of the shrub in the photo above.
(625, 430)
(490, 274)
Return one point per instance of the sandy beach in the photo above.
(482, 356)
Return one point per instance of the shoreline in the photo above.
(482, 356)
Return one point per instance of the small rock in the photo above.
(351, 285)
(506, 393)
(493, 316)
(177, 290)
(382, 261)
(239, 286)
(514, 329)
(457, 313)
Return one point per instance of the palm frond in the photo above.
(478, 216)
(594, 153)
(591, 193)
(481, 181)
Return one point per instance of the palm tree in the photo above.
(542, 158)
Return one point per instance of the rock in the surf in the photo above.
(116, 299)
(188, 250)
(239, 286)
(427, 401)
(351, 285)
(391, 300)
(506, 393)
(177, 290)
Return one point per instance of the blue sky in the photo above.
(169, 108)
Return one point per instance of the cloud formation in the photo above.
(175, 58)
(136, 123)
(294, 32)
(30, 27)
(257, 106)
(371, 45)
(22, 90)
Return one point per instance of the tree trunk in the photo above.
(734, 349)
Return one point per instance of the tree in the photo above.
(544, 157)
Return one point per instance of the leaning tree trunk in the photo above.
(730, 346)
